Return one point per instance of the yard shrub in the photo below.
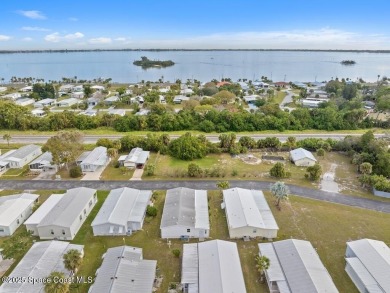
(176, 252)
(75, 172)
(278, 171)
(151, 211)
(194, 170)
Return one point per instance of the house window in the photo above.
(63, 232)
(52, 232)
(1, 229)
(90, 202)
(85, 211)
(17, 221)
(254, 231)
(81, 217)
(188, 230)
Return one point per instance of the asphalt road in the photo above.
(197, 184)
(91, 139)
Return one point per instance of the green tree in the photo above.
(365, 168)
(188, 147)
(112, 153)
(314, 172)
(150, 169)
(291, 142)
(53, 286)
(320, 152)
(248, 142)
(72, 260)
(278, 171)
(17, 245)
(88, 90)
(280, 191)
(262, 264)
(75, 172)
(7, 137)
(151, 211)
(65, 147)
(176, 252)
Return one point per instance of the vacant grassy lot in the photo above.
(112, 173)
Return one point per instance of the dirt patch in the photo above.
(250, 159)
(328, 180)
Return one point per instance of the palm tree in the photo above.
(72, 260)
(7, 137)
(112, 153)
(280, 191)
(291, 142)
(262, 264)
(55, 286)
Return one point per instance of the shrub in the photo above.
(75, 172)
(194, 170)
(176, 252)
(151, 211)
(278, 171)
(314, 172)
(149, 169)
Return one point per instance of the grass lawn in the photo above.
(279, 96)
(112, 173)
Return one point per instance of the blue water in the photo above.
(201, 65)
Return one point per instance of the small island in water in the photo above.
(348, 62)
(146, 63)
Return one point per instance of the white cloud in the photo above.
(4, 38)
(73, 19)
(101, 40)
(27, 39)
(35, 28)
(33, 14)
(56, 37)
(120, 39)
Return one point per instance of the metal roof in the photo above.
(45, 159)
(137, 156)
(301, 153)
(12, 206)
(42, 259)
(248, 208)
(124, 270)
(97, 157)
(294, 264)
(374, 255)
(185, 207)
(190, 266)
(68, 208)
(364, 276)
(44, 209)
(83, 156)
(220, 268)
(123, 205)
(23, 152)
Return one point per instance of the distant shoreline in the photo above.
(190, 50)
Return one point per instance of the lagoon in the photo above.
(202, 65)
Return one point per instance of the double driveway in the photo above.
(196, 184)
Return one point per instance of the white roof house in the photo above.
(212, 266)
(248, 214)
(3, 89)
(93, 160)
(295, 267)
(98, 87)
(120, 112)
(185, 214)
(302, 157)
(44, 103)
(38, 112)
(111, 99)
(135, 159)
(24, 101)
(12, 96)
(63, 219)
(124, 270)
(40, 261)
(368, 265)
(67, 102)
(180, 98)
(22, 156)
(43, 162)
(77, 95)
(32, 222)
(27, 89)
(122, 212)
(67, 88)
(14, 210)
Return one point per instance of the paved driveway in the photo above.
(137, 175)
(316, 194)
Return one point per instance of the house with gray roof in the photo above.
(368, 265)
(248, 214)
(302, 157)
(295, 267)
(19, 158)
(122, 212)
(43, 163)
(67, 102)
(40, 261)
(212, 266)
(91, 161)
(14, 210)
(63, 219)
(135, 159)
(44, 103)
(124, 270)
(185, 214)
(180, 98)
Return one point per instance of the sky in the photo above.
(201, 24)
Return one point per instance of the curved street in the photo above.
(316, 194)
